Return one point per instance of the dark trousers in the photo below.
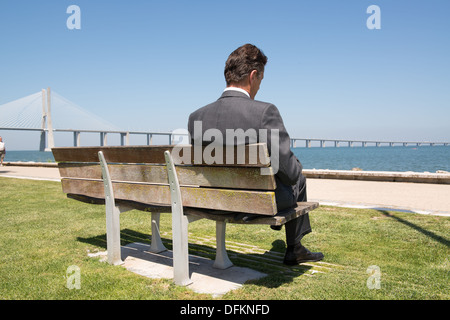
(287, 197)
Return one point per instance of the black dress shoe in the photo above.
(299, 254)
(276, 228)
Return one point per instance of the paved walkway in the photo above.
(424, 198)
(36, 173)
(421, 198)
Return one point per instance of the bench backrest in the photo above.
(139, 174)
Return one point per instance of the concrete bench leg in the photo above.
(180, 250)
(157, 245)
(113, 231)
(113, 234)
(112, 216)
(222, 261)
(179, 227)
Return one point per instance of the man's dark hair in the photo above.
(242, 62)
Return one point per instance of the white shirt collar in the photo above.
(236, 89)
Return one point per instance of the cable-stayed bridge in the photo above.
(362, 143)
(49, 112)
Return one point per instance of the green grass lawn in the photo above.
(42, 234)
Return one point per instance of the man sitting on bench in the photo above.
(237, 109)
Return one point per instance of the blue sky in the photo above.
(146, 65)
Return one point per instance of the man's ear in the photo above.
(253, 75)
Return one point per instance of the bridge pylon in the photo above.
(47, 141)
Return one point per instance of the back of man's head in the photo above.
(242, 62)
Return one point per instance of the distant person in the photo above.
(2, 151)
(237, 109)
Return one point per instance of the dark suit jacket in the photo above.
(235, 110)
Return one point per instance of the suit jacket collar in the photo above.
(233, 93)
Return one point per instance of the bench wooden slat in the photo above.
(122, 154)
(155, 155)
(229, 217)
(220, 177)
(242, 218)
(258, 202)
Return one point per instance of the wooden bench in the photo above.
(152, 178)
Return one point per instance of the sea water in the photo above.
(416, 159)
(397, 158)
(28, 156)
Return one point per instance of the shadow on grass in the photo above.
(269, 262)
(427, 233)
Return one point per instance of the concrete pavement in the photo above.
(30, 172)
(424, 198)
